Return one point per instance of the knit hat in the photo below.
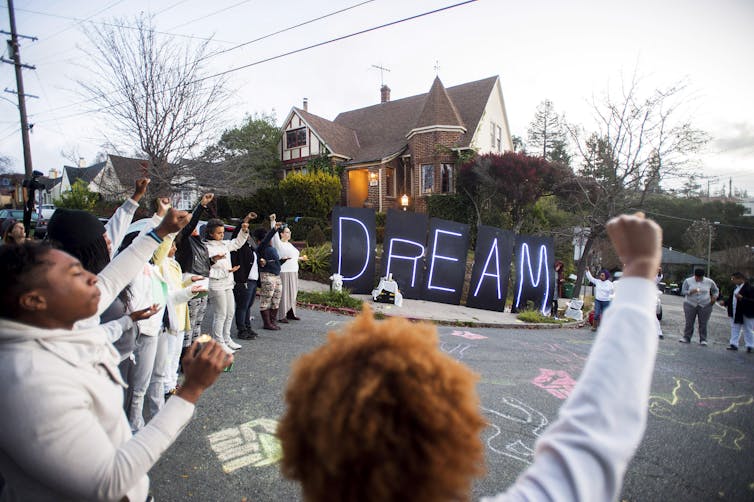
(80, 234)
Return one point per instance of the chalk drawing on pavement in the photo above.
(468, 335)
(456, 349)
(251, 444)
(517, 444)
(686, 406)
(557, 382)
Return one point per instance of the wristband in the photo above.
(154, 236)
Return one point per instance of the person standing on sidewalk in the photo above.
(700, 294)
(741, 312)
(603, 292)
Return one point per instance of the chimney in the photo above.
(384, 94)
(82, 162)
(53, 173)
(306, 104)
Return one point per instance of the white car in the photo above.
(45, 211)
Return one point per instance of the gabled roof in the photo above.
(339, 140)
(381, 130)
(85, 174)
(128, 170)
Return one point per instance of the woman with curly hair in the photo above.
(379, 413)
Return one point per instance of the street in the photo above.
(698, 444)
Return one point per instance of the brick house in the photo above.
(409, 146)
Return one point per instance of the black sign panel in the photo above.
(535, 273)
(404, 250)
(353, 242)
(448, 244)
(488, 288)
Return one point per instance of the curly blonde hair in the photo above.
(379, 413)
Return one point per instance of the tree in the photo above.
(154, 93)
(78, 197)
(244, 159)
(638, 141)
(546, 132)
(5, 164)
(511, 183)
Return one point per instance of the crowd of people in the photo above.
(97, 322)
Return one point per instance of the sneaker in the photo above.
(226, 348)
(662, 337)
(233, 345)
(683, 340)
(731, 347)
(703, 343)
(748, 350)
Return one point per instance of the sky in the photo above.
(567, 52)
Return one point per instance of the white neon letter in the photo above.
(439, 257)
(340, 248)
(524, 253)
(496, 275)
(415, 259)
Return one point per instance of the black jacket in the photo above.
(191, 252)
(245, 256)
(744, 306)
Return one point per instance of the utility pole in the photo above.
(15, 53)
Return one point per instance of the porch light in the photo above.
(404, 201)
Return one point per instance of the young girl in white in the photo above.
(222, 305)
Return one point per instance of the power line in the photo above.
(287, 29)
(285, 54)
(740, 227)
(205, 16)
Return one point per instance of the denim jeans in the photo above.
(244, 294)
(599, 307)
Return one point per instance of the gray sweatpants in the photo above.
(692, 312)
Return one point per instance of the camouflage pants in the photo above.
(270, 292)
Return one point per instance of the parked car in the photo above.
(18, 215)
(45, 212)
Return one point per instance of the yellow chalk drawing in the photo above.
(687, 406)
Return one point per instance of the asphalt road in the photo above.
(699, 443)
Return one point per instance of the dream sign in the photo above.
(427, 258)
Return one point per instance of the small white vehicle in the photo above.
(45, 211)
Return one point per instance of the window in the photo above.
(499, 139)
(428, 178)
(446, 178)
(295, 138)
(389, 182)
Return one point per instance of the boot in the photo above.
(282, 320)
(596, 324)
(266, 320)
(273, 318)
(290, 315)
(247, 334)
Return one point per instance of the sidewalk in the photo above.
(442, 313)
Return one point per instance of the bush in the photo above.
(340, 299)
(537, 316)
(316, 237)
(380, 218)
(264, 202)
(317, 265)
(78, 197)
(301, 226)
(312, 194)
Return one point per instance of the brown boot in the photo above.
(266, 320)
(274, 317)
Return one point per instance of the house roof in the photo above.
(381, 130)
(85, 174)
(128, 170)
(438, 108)
(339, 139)
(673, 257)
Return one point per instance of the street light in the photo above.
(709, 245)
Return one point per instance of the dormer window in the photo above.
(295, 137)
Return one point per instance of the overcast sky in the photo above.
(567, 52)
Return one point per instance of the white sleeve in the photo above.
(114, 329)
(589, 277)
(585, 453)
(77, 456)
(118, 223)
(238, 242)
(122, 269)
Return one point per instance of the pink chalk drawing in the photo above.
(556, 382)
(468, 335)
